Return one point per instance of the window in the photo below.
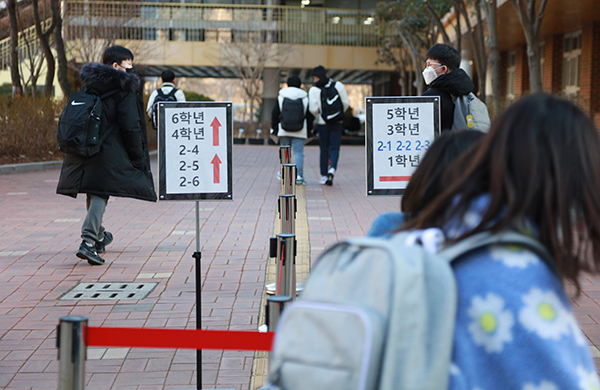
(511, 70)
(571, 60)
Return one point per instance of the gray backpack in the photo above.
(375, 314)
(470, 113)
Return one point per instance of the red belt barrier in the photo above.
(179, 338)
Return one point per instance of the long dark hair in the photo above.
(426, 182)
(540, 161)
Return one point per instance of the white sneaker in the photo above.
(278, 175)
(331, 170)
(300, 181)
(323, 180)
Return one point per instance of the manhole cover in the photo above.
(109, 290)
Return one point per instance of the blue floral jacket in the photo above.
(515, 327)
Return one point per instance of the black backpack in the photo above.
(79, 124)
(332, 109)
(292, 114)
(161, 97)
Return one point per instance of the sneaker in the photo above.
(330, 173)
(88, 252)
(300, 181)
(278, 175)
(101, 245)
(323, 180)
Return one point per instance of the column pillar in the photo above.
(270, 92)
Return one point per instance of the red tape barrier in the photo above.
(179, 338)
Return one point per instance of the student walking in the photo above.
(328, 101)
(445, 79)
(291, 122)
(122, 166)
(166, 93)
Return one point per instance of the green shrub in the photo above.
(28, 129)
(6, 89)
(196, 97)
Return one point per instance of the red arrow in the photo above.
(216, 169)
(215, 125)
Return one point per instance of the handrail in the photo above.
(143, 20)
(221, 22)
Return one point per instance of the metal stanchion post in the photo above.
(287, 213)
(288, 179)
(275, 306)
(70, 341)
(285, 154)
(286, 265)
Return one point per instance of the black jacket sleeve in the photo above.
(446, 107)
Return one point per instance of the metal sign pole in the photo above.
(195, 143)
(198, 264)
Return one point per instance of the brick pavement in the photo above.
(154, 243)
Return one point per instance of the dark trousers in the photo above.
(330, 139)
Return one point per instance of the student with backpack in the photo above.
(166, 93)
(470, 293)
(328, 101)
(119, 164)
(291, 122)
(460, 108)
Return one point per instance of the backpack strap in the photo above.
(172, 92)
(478, 241)
(110, 129)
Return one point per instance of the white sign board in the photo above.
(195, 143)
(399, 130)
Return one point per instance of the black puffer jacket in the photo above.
(456, 83)
(122, 167)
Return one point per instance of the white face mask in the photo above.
(429, 74)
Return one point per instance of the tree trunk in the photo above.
(15, 77)
(44, 38)
(477, 45)
(414, 54)
(61, 56)
(531, 24)
(490, 7)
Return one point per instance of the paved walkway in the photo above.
(153, 244)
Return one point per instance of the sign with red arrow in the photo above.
(215, 134)
(216, 169)
(195, 142)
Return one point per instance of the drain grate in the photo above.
(109, 290)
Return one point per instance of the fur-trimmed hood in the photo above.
(104, 78)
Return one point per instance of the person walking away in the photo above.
(327, 101)
(445, 79)
(166, 93)
(291, 122)
(122, 165)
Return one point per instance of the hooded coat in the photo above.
(122, 166)
(455, 83)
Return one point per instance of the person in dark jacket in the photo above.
(122, 166)
(445, 79)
